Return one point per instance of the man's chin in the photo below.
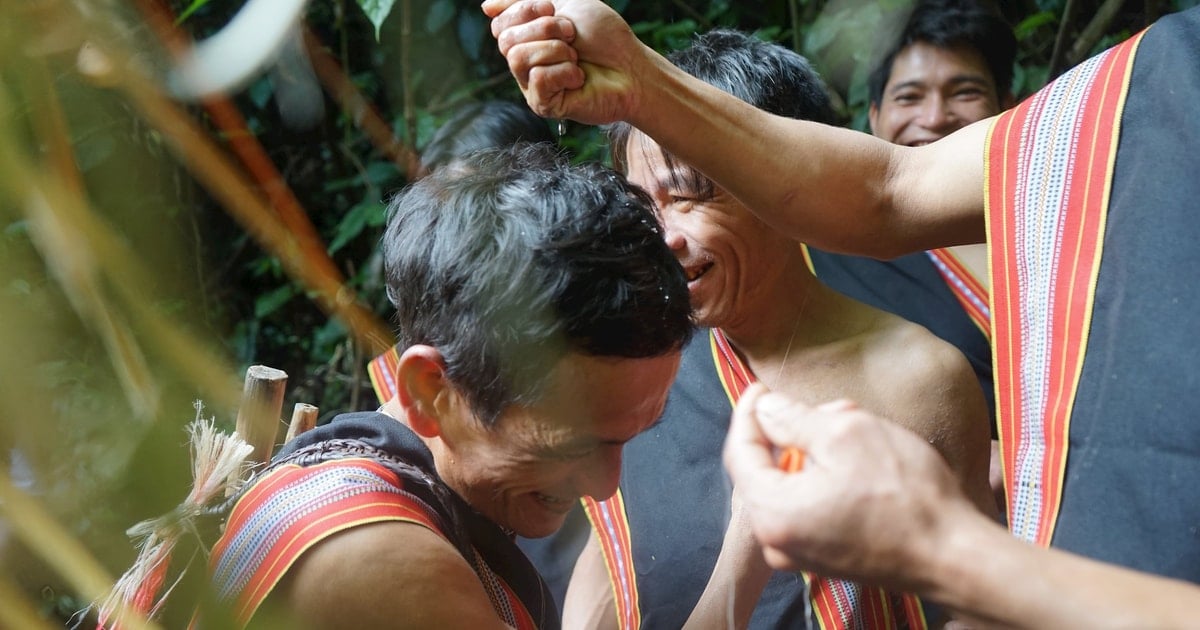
(542, 528)
(543, 518)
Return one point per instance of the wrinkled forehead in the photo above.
(653, 168)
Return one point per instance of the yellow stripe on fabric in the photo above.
(1125, 75)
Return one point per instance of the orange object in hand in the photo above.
(791, 459)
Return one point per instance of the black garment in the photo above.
(1133, 465)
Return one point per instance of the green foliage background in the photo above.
(344, 182)
(73, 437)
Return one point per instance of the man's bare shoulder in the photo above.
(917, 357)
(385, 575)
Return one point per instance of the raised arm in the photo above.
(837, 189)
(876, 504)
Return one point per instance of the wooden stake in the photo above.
(304, 417)
(259, 416)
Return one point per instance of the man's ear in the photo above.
(872, 116)
(423, 389)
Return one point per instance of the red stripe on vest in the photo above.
(612, 530)
(1013, 146)
(831, 598)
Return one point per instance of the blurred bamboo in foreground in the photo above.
(101, 275)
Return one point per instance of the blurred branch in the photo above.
(705, 23)
(249, 150)
(92, 244)
(471, 94)
(65, 248)
(15, 611)
(225, 182)
(1060, 42)
(410, 113)
(1095, 30)
(794, 14)
(359, 109)
(57, 547)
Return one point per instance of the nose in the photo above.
(600, 474)
(669, 223)
(673, 238)
(937, 115)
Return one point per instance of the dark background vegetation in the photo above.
(73, 440)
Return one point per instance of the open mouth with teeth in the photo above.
(694, 273)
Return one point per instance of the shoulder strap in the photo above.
(1048, 172)
(293, 508)
(837, 604)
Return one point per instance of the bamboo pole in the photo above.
(304, 418)
(258, 418)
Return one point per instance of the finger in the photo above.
(779, 560)
(841, 404)
(549, 86)
(515, 13)
(492, 8)
(787, 423)
(543, 30)
(524, 58)
(748, 452)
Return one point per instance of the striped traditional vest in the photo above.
(837, 604)
(1048, 165)
(967, 289)
(332, 485)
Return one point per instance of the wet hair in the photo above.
(510, 258)
(483, 125)
(974, 24)
(767, 75)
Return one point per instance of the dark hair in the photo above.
(510, 258)
(975, 24)
(483, 125)
(767, 75)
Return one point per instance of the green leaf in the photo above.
(273, 301)
(377, 11)
(377, 174)
(1030, 24)
(365, 213)
(196, 4)
(440, 14)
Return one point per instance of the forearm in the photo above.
(837, 189)
(738, 578)
(732, 591)
(994, 578)
(590, 602)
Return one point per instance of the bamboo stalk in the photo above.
(304, 418)
(16, 611)
(258, 417)
(61, 551)
(229, 186)
(359, 109)
(247, 148)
